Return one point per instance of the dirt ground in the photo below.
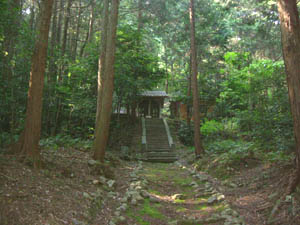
(67, 191)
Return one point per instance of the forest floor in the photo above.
(73, 189)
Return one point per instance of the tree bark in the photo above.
(197, 137)
(139, 17)
(28, 144)
(189, 95)
(59, 22)
(76, 38)
(89, 33)
(101, 62)
(102, 132)
(290, 39)
(66, 27)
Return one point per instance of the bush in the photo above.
(211, 128)
(186, 134)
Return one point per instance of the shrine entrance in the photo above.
(151, 104)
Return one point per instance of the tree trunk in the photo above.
(52, 66)
(290, 39)
(139, 17)
(32, 16)
(167, 74)
(59, 22)
(101, 62)
(28, 144)
(106, 105)
(189, 95)
(89, 33)
(91, 22)
(76, 38)
(197, 137)
(66, 27)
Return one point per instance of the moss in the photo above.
(179, 201)
(150, 210)
(202, 207)
(151, 191)
(181, 209)
(219, 207)
(182, 180)
(136, 217)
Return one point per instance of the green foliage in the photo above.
(66, 141)
(151, 210)
(255, 93)
(186, 134)
(277, 156)
(137, 68)
(211, 128)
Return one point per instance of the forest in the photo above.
(150, 112)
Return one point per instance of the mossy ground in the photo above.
(165, 182)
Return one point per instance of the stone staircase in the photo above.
(158, 147)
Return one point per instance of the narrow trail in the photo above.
(173, 194)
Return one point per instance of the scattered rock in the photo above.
(77, 222)
(136, 196)
(102, 179)
(153, 199)
(145, 194)
(194, 184)
(202, 177)
(111, 183)
(96, 182)
(122, 218)
(86, 195)
(175, 222)
(178, 196)
(124, 199)
(117, 213)
(212, 199)
(123, 207)
(233, 185)
(111, 194)
(133, 202)
(93, 162)
(220, 197)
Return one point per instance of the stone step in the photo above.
(159, 149)
(161, 160)
(158, 141)
(166, 146)
(160, 154)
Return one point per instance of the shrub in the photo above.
(186, 134)
(211, 128)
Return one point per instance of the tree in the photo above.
(197, 138)
(102, 126)
(28, 144)
(101, 63)
(290, 39)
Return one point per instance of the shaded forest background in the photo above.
(239, 51)
(232, 52)
(239, 63)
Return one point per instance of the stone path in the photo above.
(171, 194)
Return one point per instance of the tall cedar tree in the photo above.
(102, 127)
(28, 144)
(290, 39)
(101, 63)
(197, 138)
